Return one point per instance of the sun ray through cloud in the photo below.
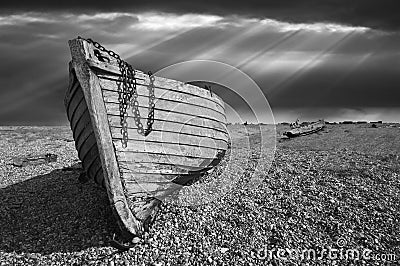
(310, 62)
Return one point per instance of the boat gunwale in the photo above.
(173, 90)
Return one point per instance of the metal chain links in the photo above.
(128, 96)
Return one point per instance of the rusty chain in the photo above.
(128, 96)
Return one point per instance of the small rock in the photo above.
(136, 240)
(223, 250)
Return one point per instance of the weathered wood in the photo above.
(143, 79)
(85, 141)
(34, 159)
(179, 168)
(95, 171)
(169, 110)
(188, 137)
(155, 168)
(305, 130)
(75, 98)
(181, 123)
(83, 124)
(110, 93)
(78, 112)
(94, 100)
(174, 129)
(157, 189)
(87, 145)
(75, 112)
(166, 148)
(133, 158)
(83, 138)
(169, 137)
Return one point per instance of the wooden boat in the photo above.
(185, 136)
(305, 130)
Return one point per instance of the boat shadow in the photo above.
(54, 212)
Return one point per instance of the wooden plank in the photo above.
(86, 147)
(106, 71)
(110, 94)
(74, 104)
(172, 108)
(168, 137)
(185, 130)
(160, 179)
(75, 88)
(136, 166)
(169, 110)
(94, 100)
(81, 125)
(82, 107)
(166, 148)
(166, 83)
(157, 183)
(133, 158)
(154, 189)
(83, 138)
(179, 145)
(191, 116)
(156, 168)
(72, 87)
(94, 168)
(195, 125)
(110, 67)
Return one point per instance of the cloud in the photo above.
(317, 27)
(160, 21)
(374, 14)
(166, 21)
(298, 65)
(19, 19)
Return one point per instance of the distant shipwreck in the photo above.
(300, 130)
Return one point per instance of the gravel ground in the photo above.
(340, 184)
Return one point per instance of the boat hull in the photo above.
(305, 130)
(188, 136)
(82, 130)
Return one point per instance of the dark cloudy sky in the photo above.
(333, 59)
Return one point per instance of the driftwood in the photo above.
(34, 159)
